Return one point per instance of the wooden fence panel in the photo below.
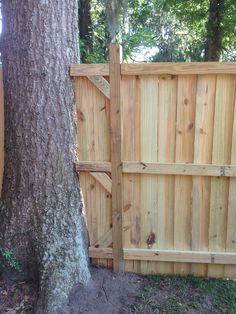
(131, 151)
(230, 271)
(148, 152)
(204, 121)
(178, 164)
(166, 153)
(94, 145)
(116, 129)
(179, 156)
(186, 102)
(221, 153)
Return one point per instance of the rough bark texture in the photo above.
(113, 14)
(85, 28)
(214, 28)
(41, 211)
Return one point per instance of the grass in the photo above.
(178, 295)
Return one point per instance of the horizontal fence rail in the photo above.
(177, 68)
(162, 168)
(180, 256)
(157, 151)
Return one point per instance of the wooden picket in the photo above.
(157, 147)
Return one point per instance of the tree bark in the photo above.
(41, 208)
(214, 28)
(113, 9)
(85, 28)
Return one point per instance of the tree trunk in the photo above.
(113, 9)
(214, 28)
(85, 28)
(41, 211)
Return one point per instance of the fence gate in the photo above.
(157, 150)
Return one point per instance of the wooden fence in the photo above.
(157, 150)
(166, 135)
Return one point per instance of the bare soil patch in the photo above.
(17, 297)
(122, 293)
(108, 292)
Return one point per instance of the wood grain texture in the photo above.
(221, 153)
(101, 83)
(230, 271)
(89, 69)
(178, 68)
(102, 153)
(103, 179)
(94, 145)
(101, 253)
(181, 256)
(149, 152)
(186, 102)
(176, 168)
(204, 121)
(93, 166)
(115, 54)
(184, 169)
(86, 149)
(167, 99)
(131, 151)
(105, 241)
(169, 68)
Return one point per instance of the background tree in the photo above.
(114, 11)
(85, 29)
(98, 33)
(41, 208)
(171, 30)
(214, 29)
(187, 28)
(108, 17)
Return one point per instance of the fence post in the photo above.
(115, 55)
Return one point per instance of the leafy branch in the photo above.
(8, 258)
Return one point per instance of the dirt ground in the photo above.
(119, 293)
(17, 298)
(108, 292)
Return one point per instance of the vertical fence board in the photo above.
(131, 151)
(102, 153)
(221, 154)
(205, 104)
(115, 54)
(166, 153)
(230, 271)
(85, 116)
(92, 216)
(148, 194)
(85, 135)
(94, 145)
(184, 153)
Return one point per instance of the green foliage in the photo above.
(229, 24)
(99, 34)
(7, 259)
(175, 30)
(174, 294)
